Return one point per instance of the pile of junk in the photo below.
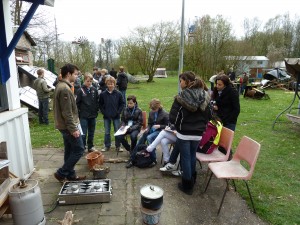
(275, 78)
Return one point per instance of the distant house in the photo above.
(254, 65)
(23, 50)
(24, 56)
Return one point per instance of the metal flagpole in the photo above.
(181, 50)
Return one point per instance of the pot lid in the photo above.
(151, 191)
(23, 186)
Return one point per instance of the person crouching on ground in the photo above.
(87, 104)
(67, 122)
(111, 105)
(190, 114)
(132, 117)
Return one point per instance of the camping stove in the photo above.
(85, 191)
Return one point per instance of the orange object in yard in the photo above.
(94, 158)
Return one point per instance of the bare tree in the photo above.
(148, 47)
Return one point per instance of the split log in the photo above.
(115, 160)
(68, 219)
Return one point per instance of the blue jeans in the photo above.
(123, 92)
(174, 154)
(187, 150)
(230, 126)
(73, 151)
(88, 126)
(133, 138)
(107, 138)
(43, 110)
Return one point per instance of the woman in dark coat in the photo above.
(189, 113)
(227, 102)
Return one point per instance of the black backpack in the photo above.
(142, 157)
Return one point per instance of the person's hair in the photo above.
(155, 104)
(121, 68)
(87, 75)
(192, 81)
(68, 68)
(224, 78)
(103, 71)
(95, 68)
(110, 79)
(131, 97)
(40, 72)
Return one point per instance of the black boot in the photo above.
(186, 186)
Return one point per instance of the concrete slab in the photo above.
(124, 207)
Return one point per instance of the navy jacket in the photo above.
(87, 102)
(122, 81)
(111, 104)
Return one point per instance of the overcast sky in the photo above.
(96, 19)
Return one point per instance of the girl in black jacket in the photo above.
(189, 114)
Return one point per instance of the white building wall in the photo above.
(14, 126)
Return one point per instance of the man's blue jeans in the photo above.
(43, 110)
(107, 138)
(73, 151)
(123, 92)
(88, 126)
(187, 150)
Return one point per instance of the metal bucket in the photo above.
(151, 217)
(100, 172)
(26, 203)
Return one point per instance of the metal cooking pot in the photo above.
(151, 197)
(100, 172)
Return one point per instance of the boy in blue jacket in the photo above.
(111, 105)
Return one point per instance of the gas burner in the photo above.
(87, 191)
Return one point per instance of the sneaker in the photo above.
(168, 167)
(177, 173)
(92, 149)
(105, 149)
(119, 149)
(129, 164)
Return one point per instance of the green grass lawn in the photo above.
(276, 181)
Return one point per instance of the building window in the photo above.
(259, 62)
(22, 57)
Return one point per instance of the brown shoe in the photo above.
(58, 177)
(77, 178)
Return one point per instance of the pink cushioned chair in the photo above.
(246, 151)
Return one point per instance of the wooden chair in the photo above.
(247, 151)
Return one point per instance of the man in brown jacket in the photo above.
(67, 122)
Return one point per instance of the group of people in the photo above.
(183, 126)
